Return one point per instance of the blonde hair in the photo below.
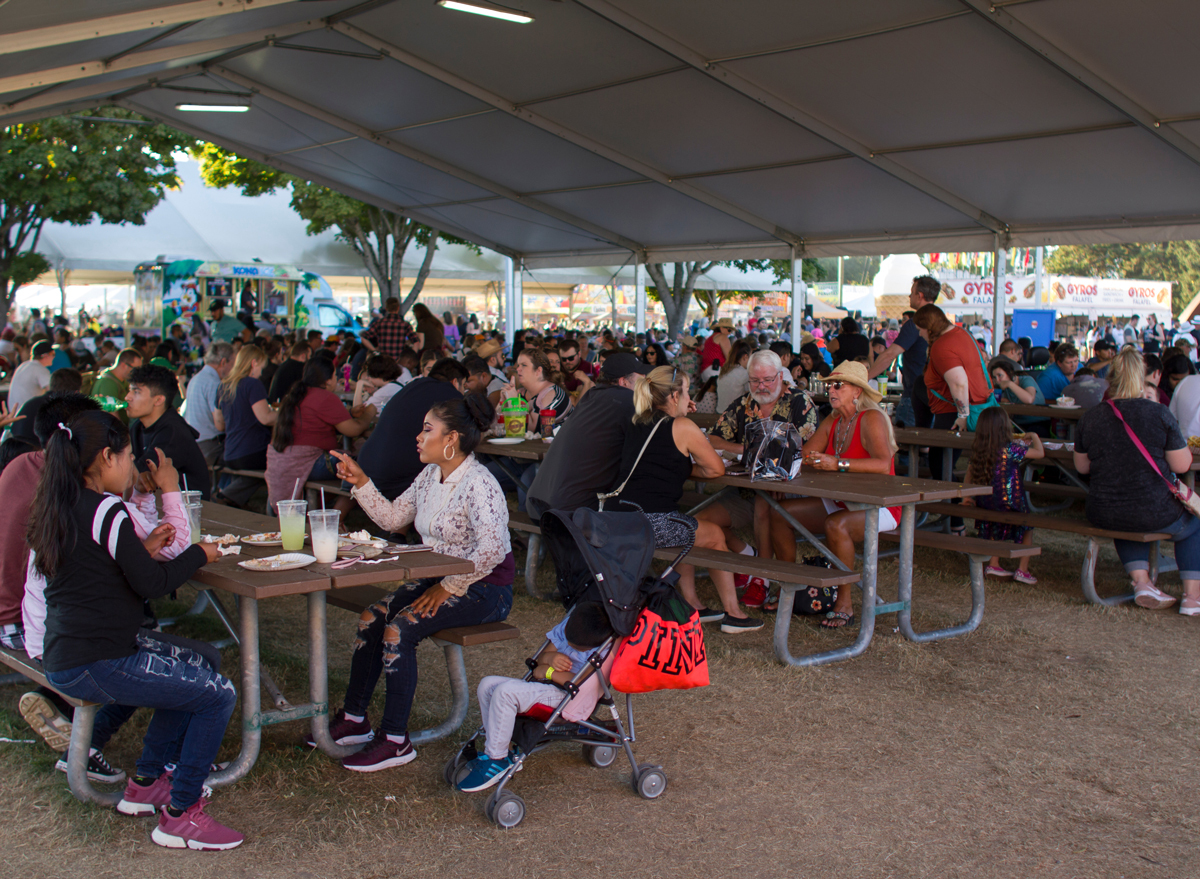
(651, 392)
(242, 364)
(864, 403)
(1126, 375)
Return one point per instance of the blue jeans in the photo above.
(1185, 533)
(192, 702)
(324, 468)
(388, 641)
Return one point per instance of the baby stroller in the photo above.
(599, 556)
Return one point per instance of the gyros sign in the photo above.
(1067, 295)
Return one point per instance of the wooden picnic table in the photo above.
(312, 581)
(868, 492)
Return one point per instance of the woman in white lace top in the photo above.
(458, 509)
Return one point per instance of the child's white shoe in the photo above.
(1025, 577)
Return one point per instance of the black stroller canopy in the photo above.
(608, 552)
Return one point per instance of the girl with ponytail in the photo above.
(98, 574)
(663, 450)
(458, 509)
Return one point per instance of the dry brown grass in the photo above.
(1059, 740)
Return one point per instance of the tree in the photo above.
(676, 297)
(1175, 261)
(73, 169)
(379, 237)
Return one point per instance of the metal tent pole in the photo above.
(518, 311)
(509, 306)
(798, 296)
(1037, 274)
(999, 270)
(639, 280)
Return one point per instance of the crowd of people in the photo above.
(398, 414)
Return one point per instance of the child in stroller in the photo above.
(501, 699)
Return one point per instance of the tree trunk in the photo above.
(677, 296)
(60, 275)
(422, 274)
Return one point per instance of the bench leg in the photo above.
(77, 759)
(459, 697)
(1089, 577)
(977, 596)
(866, 626)
(318, 678)
(251, 698)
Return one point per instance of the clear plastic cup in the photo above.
(291, 523)
(323, 527)
(883, 385)
(191, 497)
(193, 511)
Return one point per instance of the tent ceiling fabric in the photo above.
(610, 131)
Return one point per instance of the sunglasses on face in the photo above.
(836, 386)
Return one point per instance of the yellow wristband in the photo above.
(550, 673)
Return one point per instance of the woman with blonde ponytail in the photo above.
(663, 450)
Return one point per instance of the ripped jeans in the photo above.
(388, 642)
(192, 702)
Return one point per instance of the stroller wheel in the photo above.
(505, 808)
(649, 782)
(453, 771)
(599, 756)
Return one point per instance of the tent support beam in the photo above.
(425, 159)
(525, 114)
(363, 196)
(639, 281)
(999, 270)
(52, 100)
(1035, 42)
(787, 110)
(798, 303)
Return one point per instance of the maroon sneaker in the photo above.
(195, 829)
(139, 800)
(756, 592)
(345, 732)
(740, 581)
(382, 753)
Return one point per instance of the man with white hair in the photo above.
(769, 397)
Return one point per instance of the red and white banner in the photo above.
(1095, 297)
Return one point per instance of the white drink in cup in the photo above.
(291, 523)
(323, 525)
(193, 511)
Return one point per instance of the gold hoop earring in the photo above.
(448, 453)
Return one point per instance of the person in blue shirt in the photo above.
(1058, 374)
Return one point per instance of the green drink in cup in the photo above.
(291, 523)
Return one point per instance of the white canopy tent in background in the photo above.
(682, 129)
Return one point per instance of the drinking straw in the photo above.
(296, 490)
(185, 488)
(322, 497)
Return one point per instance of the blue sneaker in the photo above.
(484, 773)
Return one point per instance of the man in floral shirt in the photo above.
(769, 397)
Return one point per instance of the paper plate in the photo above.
(287, 561)
(507, 440)
(268, 538)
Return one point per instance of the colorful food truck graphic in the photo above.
(181, 290)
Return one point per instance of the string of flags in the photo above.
(982, 263)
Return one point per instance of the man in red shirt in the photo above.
(389, 332)
(573, 364)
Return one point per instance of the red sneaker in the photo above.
(382, 753)
(195, 829)
(345, 732)
(756, 592)
(740, 581)
(139, 800)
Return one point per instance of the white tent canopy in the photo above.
(611, 130)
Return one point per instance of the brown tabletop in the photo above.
(947, 439)
(529, 450)
(704, 419)
(1060, 412)
(862, 488)
(407, 566)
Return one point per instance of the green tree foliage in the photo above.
(676, 296)
(378, 236)
(73, 169)
(1175, 261)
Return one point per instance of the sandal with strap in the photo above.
(836, 619)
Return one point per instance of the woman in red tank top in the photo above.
(856, 437)
(716, 346)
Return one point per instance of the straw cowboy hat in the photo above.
(488, 348)
(854, 373)
(724, 323)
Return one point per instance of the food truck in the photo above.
(167, 293)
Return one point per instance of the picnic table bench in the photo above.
(81, 730)
(1059, 523)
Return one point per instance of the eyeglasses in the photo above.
(763, 382)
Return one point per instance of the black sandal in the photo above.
(837, 619)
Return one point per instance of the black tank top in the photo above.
(657, 482)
